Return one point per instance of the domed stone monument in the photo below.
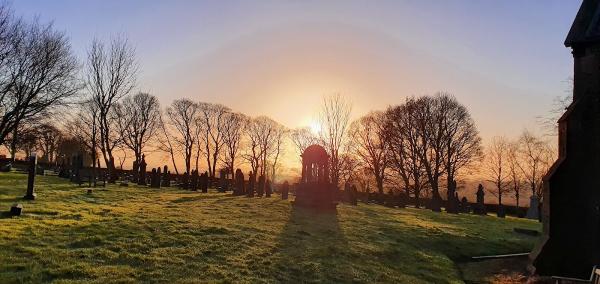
(315, 189)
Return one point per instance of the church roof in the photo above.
(586, 27)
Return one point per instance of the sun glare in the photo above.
(315, 127)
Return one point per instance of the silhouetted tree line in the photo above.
(418, 148)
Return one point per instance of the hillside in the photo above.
(133, 233)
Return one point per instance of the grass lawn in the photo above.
(131, 234)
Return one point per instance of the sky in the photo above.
(504, 60)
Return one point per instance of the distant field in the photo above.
(130, 234)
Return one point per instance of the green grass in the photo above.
(131, 234)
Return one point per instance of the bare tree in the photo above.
(84, 127)
(496, 164)
(334, 119)
(265, 138)
(461, 139)
(38, 71)
(111, 74)
(165, 144)
(369, 141)
(514, 172)
(212, 120)
(48, 141)
(233, 129)
(536, 159)
(407, 146)
(181, 128)
(275, 148)
(138, 121)
(302, 138)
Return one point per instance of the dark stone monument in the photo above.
(157, 178)
(480, 206)
(533, 211)
(451, 201)
(142, 175)
(185, 179)
(205, 182)
(134, 172)
(223, 180)
(352, 195)
(261, 186)
(465, 207)
(268, 188)
(570, 245)
(315, 189)
(239, 183)
(16, 209)
(30, 195)
(251, 182)
(285, 190)
(166, 180)
(194, 180)
(153, 178)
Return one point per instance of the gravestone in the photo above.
(285, 190)
(166, 180)
(239, 183)
(480, 205)
(534, 204)
(222, 180)
(16, 209)
(194, 180)
(261, 186)
(251, 182)
(134, 172)
(185, 179)
(465, 207)
(205, 182)
(153, 178)
(142, 175)
(451, 201)
(268, 189)
(158, 175)
(30, 195)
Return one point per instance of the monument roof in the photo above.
(586, 26)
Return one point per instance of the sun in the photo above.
(315, 127)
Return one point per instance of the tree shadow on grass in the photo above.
(312, 248)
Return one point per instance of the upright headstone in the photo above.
(142, 175)
(268, 188)
(222, 180)
(261, 186)
(194, 180)
(480, 206)
(185, 180)
(158, 176)
(251, 182)
(166, 180)
(465, 207)
(30, 195)
(239, 183)
(134, 172)
(153, 178)
(534, 205)
(285, 189)
(451, 204)
(205, 182)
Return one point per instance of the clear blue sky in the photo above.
(505, 60)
